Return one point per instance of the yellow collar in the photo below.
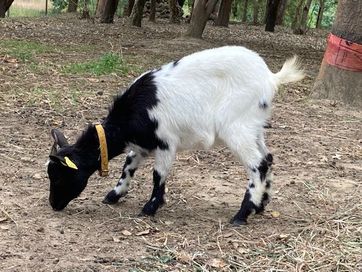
(104, 151)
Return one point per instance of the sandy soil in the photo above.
(315, 218)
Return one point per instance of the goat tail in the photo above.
(290, 72)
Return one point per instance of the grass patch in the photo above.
(24, 51)
(106, 64)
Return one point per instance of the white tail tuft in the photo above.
(290, 72)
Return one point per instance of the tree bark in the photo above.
(245, 11)
(320, 14)
(200, 15)
(100, 7)
(72, 6)
(137, 13)
(174, 10)
(223, 15)
(301, 25)
(281, 11)
(128, 8)
(152, 17)
(336, 83)
(4, 7)
(109, 11)
(272, 11)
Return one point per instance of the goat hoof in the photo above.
(238, 222)
(111, 198)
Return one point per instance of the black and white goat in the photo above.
(222, 94)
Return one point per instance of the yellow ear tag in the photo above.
(70, 164)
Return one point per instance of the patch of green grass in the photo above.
(23, 50)
(54, 99)
(106, 64)
(25, 12)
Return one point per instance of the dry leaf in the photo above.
(4, 227)
(126, 233)
(116, 239)
(3, 219)
(144, 232)
(228, 234)
(183, 257)
(275, 214)
(217, 263)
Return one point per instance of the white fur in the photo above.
(215, 95)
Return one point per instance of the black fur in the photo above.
(157, 197)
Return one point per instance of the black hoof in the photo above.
(111, 198)
(238, 222)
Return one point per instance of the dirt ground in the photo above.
(313, 223)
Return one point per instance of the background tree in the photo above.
(4, 7)
(108, 11)
(129, 6)
(281, 12)
(137, 13)
(300, 26)
(223, 15)
(72, 6)
(256, 11)
(337, 83)
(200, 15)
(271, 14)
(175, 11)
(152, 17)
(320, 14)
(245, 11)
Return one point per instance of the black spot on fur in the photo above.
(128, 161)
(269, 159)
(268, 184)
(124, 175)
(132, 171)
(263, 105)
(175, 63)
(252, 185)
(263, 169)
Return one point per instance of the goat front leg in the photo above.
(133, 160)
(163, 163)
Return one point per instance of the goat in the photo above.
(216, 95)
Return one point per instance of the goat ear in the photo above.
(59, 138)
(64, 161)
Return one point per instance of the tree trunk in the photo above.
(256, 11)
(85, 11)
(109, 10)
(272, 11)
(174, 10)
(128, 8)
(297, 13)
(245, 11)
(100, 7)
(152, 17)
(281, 11)
(339, 83)
(301, 26)
(4, 7)
(200, 15)
(320, 14)
(224, 13)
(72, 6)
(137, 13)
